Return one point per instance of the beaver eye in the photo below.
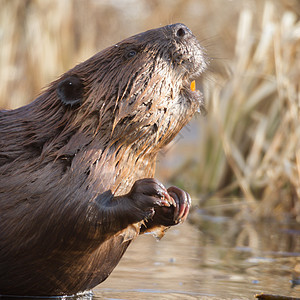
(131, 53)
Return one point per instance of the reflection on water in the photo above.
(87, 295)
(213, 258)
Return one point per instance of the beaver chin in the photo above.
(194, 97)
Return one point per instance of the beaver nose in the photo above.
(180, 30)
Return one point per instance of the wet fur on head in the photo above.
(131, 93)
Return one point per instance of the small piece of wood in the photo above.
(274, 297)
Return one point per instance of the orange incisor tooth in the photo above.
(193, 85)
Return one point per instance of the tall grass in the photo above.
(250, 142)
(248, 145)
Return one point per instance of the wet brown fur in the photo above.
(63, 228)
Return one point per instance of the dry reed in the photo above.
(250, 142)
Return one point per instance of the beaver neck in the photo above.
(115, 167)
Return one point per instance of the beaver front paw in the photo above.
(176, 213)
(148, 194)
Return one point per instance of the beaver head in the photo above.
(136, 92)
(139, 89)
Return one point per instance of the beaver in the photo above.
(77, 164)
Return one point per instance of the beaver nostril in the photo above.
(180, 32)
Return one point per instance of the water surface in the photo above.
(214, 258)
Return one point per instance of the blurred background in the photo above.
(246, 150)
(240, 162)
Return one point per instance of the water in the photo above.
(213, 258)
(210, 257)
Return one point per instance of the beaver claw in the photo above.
(149, 193)
(170, 216)
(183, 203)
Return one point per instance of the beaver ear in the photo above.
(70, 91)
